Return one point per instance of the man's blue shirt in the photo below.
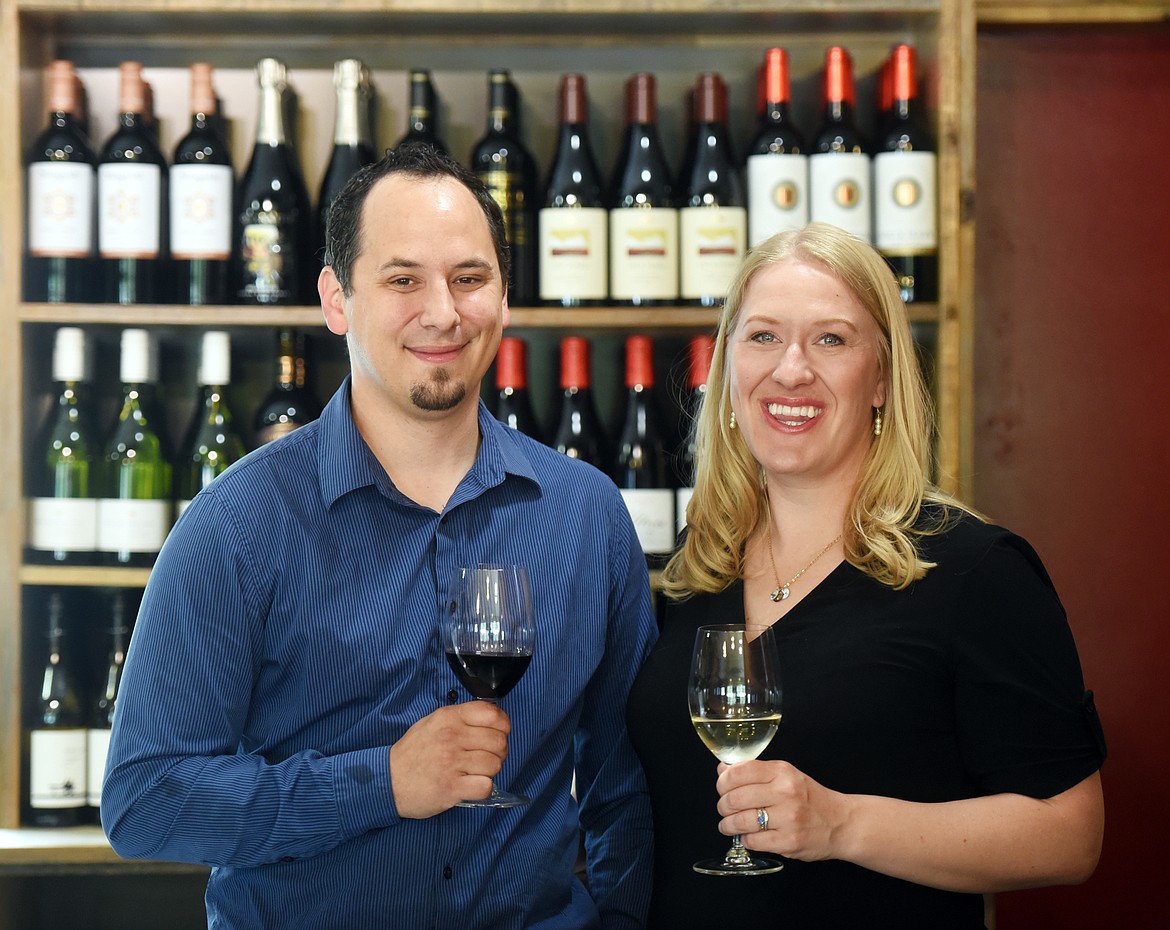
(289, 634)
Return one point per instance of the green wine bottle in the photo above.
(212, 441)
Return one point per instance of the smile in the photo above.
(794, 416)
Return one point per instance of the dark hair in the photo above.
(343, 229)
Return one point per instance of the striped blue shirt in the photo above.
(289, 634)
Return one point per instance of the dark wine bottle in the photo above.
(423, 116)
(351, 139)
(508, 171)
(905, 186)
(134, 510)
(62, 524)
(777, 166)
(700, 348)
(289, 404)
(102, 715)
(579, 431)
(573, 223)
(643, 220)
(55, 728)
(59, 238)
(513, 403)
(212, 443)
(273, 228)
(713, 218)
(640, 467)
(132, 201)
(840, 186)
(201, 190)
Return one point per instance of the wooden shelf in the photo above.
(85, 576)
(39, 851)
(1035, 12)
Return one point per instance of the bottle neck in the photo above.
(270, 124)
(348, 122)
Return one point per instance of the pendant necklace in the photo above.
(783, 590)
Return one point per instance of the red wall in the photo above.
(1072, 382)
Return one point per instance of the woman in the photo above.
(937, 742)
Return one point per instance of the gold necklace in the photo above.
(783, 590)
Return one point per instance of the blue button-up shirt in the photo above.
(289, 634)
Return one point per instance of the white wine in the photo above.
(738, 739)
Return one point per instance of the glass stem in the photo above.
(738, 854)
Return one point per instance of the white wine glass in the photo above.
(489, 633)
(735, 703)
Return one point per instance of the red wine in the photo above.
(486, 676)
(422, 118)
(289, 404)
(513, 404)
(579, 432)
(351, 139)
(699, 352)
(840, 188)
(573, 224)
(201, 190)
(713, 219)
(643, 219)
(60, 236)
(777, 168)
(132, 200)
(905, 179)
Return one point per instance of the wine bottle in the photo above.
(102, 714)
(212, 443)
(56, 733)
(905, 182)
(508, 171)
(134, 510)
(573, 223)
(513, 403)
(700, 348)
(273, 225)
(423, 115)
(579, 432)
(777, 166)
(201, 186)
(132, 200)
(59, 252)
(351, 139)
(713, 218)
(289, 404)
(840, 186)
(643, 221)
(640, 466)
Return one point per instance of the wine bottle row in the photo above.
(122, 226)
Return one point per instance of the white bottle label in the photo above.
(652, 510)
(840, 191)
(132, 525)
(777, 195)
(62, 524)
(574, 253)
(643, 253)
(57, 768)
(201, 211)
(682, 497)
(712, 242)
(60, 209)
(905, 202)
(97, 748)
(129, 200)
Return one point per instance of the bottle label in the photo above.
(652, 510)
(132, 525)
(777, 195)
(905, 202)
(643, 253)
(712, 244)
(97, 748)
(265, 259)
(201, 211)
(840, 191)
(682, 497)
(62, 524)
(574, 253)
(57, 769)
(507, 190)
(129, 201)
(60, 209)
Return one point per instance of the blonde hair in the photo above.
(885, 513)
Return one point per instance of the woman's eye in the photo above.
(762, 337)
(831, 339)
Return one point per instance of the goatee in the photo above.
(440, 393)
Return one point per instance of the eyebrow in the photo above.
(765, 317)
(476, 264)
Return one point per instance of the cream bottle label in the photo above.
(129, 200)
(905, 202)
(574, 253)
(712, 244)
(643, 253)
(201, 211)
(60, 209)
(840, 191)
(777, 195)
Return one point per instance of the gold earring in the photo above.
(732, 423)
(877, 421)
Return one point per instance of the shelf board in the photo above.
(30, 851)
(86, 576)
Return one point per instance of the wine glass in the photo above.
(735, 699)
(488, 636)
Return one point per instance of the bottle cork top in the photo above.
(639, 362)
(202, 93)
(62, 87)
(574, 362)
(215, 360)
(512, 364)
(132, 88)
(69, 354)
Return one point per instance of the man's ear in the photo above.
(332, 301)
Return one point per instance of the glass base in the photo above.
(750, 865)
(497, 799)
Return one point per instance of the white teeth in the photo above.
(780, 411)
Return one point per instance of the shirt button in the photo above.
(452, 696)
(447, 873)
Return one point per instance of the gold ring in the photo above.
(762, 818)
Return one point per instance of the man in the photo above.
(287, 715)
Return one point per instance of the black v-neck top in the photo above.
(966, 683)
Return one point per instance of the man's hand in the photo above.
(448, 756)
